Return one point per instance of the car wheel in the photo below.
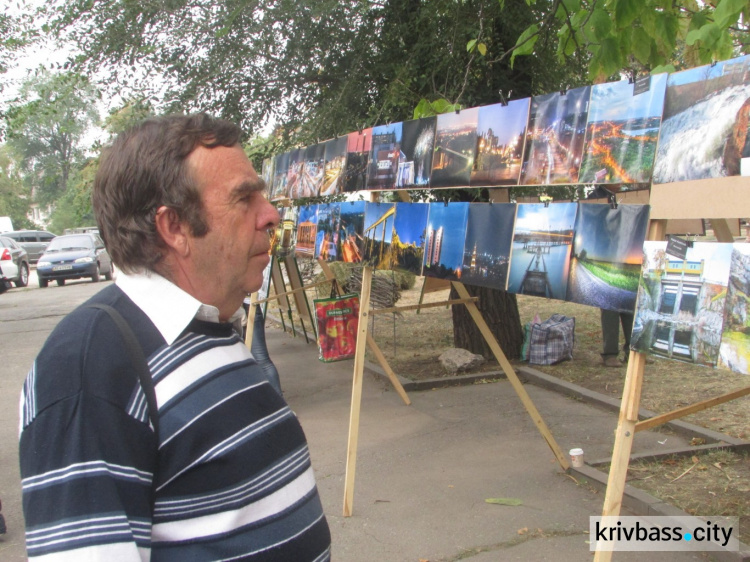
(60, 282)
(23, 276)
(43, 283)
(108, 275)
(95, 276)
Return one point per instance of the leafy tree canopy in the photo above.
(15, 197)
(46, 126)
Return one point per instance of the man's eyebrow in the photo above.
(247, 187)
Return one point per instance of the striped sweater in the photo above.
(233, 474)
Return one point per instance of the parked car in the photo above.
(15, 261)
(74, 256)
(33, 241)
(4, 282)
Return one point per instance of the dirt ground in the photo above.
(717, 483)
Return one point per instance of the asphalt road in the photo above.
(27, 315)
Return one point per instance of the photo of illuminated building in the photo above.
(351, 231)
(294, 172)
(455, 143)
(622, 132)
(358, 148)
(554, 137)
(281, 168)
(444, 240)
(385, 156)
(489, 235)
(501, 130)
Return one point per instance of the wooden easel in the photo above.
(364, 338)
(686, 200)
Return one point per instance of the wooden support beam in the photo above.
(512, 377)
(297, 290)
(421, 306)
(721, 230)
(387, 368)
(359, 365)
(687, 410)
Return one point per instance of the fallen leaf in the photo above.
(523, 531)
(718, 465)
(695, 459)
(504, 501)
(697, 441)
(451, 486)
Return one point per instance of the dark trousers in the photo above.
(611, 321)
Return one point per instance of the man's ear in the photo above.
(172, 230)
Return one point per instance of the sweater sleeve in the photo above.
(87, 457)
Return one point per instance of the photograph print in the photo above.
(554, 138)
(540, 255)
(704, 131)
(415, 164)
(307, 231)
(358, 148)
(351, 231)
(335, 162)
(408, 239)
(489, 235)
(280, 170)
(734, 352)
(378, 229)
(501, 131)
(327, 233)
(607, 254)
(680, 309)
(455, 144)
(294, 172)
(444, 240)
(384, 157)
(622, 132)
(312, 172)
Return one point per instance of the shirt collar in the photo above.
(170, 308)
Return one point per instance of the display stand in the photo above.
(687, 200)
(364, 338)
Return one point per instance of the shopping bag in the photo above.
(552, 341)
(337, 319)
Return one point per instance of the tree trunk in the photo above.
(500, 310)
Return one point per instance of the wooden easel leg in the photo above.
(512, 377)
(618, 469)
(387, 368)
(359, 365)
(250, 320)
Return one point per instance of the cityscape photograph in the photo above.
(489, 235)
(455, 144)
(408, 239)
(501, 130)
(444, 240)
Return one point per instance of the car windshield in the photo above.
(68, 243)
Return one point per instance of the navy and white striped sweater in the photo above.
(234, 480)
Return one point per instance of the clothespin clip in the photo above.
(563, 91)
(545, 199)
(613, 201)
(458, 111)
(503, 100)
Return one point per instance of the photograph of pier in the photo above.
(554, 138)
(335, 161)
(680, 312)
(444, 240)
(358, 147)
(417, 140)
(384, 156)
(501, 130)
(378, 230)
(351, 241)
(540, 255)
(408, 239)
(455, 144)
(704, 131)
(607, 254)
(489, 235)
(622, 132)
(734, 352)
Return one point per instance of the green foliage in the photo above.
(15, 197)
(46, 125)
(641, 35)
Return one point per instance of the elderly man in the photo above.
(201, 458)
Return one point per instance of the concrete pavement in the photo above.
(423, 471)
